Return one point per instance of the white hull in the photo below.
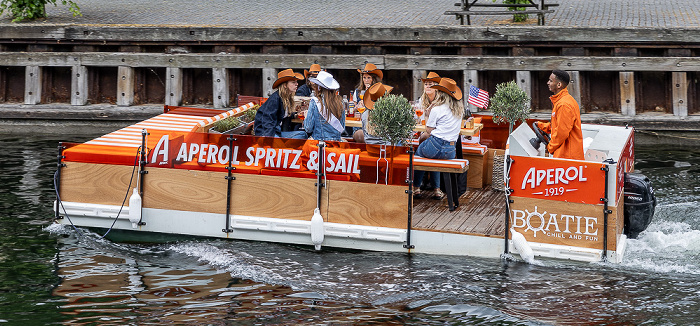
(299, 232)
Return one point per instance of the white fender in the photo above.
(135, 209)
(317, 229)
(522, 247)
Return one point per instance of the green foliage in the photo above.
(392, 119)
(518, 17)
(229, 123)
(249, 115)
(509, 104)
(32, 9)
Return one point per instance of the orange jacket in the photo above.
(565, 128)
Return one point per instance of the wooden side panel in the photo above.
(273, 196)
(185, 190)
(367, 204)
(95, 183)
(476, 175)
(564, 223)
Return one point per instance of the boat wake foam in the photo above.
(666, 247)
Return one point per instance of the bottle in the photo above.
(351, 106)
(346, 105)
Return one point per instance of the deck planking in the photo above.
(481, 212)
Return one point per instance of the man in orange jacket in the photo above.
(565, 128)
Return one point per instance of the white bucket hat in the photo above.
(325, 80)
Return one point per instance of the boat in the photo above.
(171, 174)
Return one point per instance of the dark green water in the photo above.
(53, 275)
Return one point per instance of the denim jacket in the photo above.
(318, 127)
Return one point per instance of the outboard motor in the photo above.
(640, 203)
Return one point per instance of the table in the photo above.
(353, 122)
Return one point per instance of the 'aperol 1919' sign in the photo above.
(556, 179)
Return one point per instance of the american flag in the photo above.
(478, 97)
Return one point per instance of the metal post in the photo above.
(509, 201)
(606, 211)
(229, 178)
(320, 172)
(142, 166)
(409, 179)
(59, 165)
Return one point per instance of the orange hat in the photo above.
(374, 92)
(449, 86)
(372, 70)
(285, 76)
(433, 77)
(314, 69)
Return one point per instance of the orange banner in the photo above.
(557, 179)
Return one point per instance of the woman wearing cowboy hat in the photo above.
(275, 115)
(369, 75)
(426, 102)
(325, 119)
(305, 90)
(372, 95)
(442, 128)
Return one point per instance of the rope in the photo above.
(60, 202)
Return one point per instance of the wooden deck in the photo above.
(481, 212)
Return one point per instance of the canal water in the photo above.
(52, 274)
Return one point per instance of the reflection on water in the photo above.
(51, 274)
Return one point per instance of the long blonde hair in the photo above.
(456, 106)
(287, 99)
(425, 100)
(330, 102)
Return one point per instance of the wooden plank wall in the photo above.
(527, 69)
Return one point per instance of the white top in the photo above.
(446, 125)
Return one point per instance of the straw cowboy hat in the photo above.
(314, 69)
(325, 80)
(449, 86)
(285, 76)
(433, 77)
(374, 92)
(372, 70)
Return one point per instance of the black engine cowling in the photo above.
(640, 204)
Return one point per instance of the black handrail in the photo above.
(229, 178)
(59, 165)
(142, 168)
(606, 211)
(409, 179)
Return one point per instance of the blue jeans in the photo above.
(296, 134)
(433, 147)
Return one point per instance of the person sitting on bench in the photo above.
(442, 129)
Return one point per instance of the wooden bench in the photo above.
(540, 9)
(450, 170)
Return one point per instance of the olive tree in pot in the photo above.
(512, 105)
(392, 120)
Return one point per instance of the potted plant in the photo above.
(392, 119)
(509, 104)
(512, 105)
(236, 125)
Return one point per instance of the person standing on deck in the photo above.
(305, 90)
(565, 128)
(274, 118)
(326, 115)
(443, 127)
